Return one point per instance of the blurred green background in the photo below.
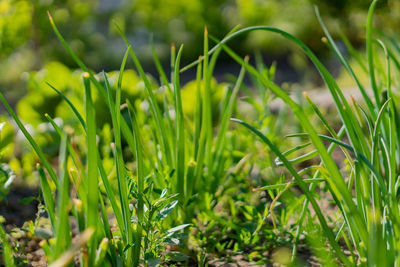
(27, 42)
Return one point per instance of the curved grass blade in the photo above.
(370, 53)
(377, 128)
(344, 62)
(325, 123)
(280, 186)
(77, 114)
(363, 158)
(32, 142)
(206, 125)
(299, 159)
(353, 52)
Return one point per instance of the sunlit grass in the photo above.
(128, 216)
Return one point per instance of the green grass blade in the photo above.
(191, 178)
(280, 186)
(299, 159)
(353, 52)
(198, 110)
(227, 114)
(63, 233)
(92, 174)
(160, 69)
(82, 185)
(377, 127)
(370, 53)
(77, 114)
(326, 123)
(47, 196)
(206, 125)
(121, 172)
(32, 142)
(180, 131)
(344, 62)
(140, 186)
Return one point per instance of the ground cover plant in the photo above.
(168, 179)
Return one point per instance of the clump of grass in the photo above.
(367, 194)
(146, 217)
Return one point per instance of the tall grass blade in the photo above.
(92, 173)
(370, 53)
(121, 171)
(180, 131)
(140, 186)
(47, 196)
(63, 233)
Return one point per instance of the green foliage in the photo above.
(7, 176)
(6, 251)
(371, 176)
(15, 22)
(154, 174)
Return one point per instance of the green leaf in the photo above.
(176, 256)
(178, 228)
(27, 200)
(166, 211)
(128, 247)
(7, 177)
